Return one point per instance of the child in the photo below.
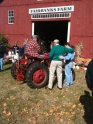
(69, 58)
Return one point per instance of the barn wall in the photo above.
(81, 21)
(82, 26)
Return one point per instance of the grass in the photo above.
(19, 104)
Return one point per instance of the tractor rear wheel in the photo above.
(37, 75)
(13, 70)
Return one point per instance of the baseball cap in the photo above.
(56, 41)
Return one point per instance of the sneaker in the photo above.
(59, 88)
(71, 84)
(65, 85)
(48, 88)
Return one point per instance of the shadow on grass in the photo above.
(87, 101)
(23, 82)
(7, 68)
(8, 62)
(7, 65)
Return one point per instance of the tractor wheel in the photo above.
(13, 70)
(37, 75)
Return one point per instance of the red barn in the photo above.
(67, 20)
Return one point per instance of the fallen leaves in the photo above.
(51, 110)
(58, 118)
(72, 113)
(73, 106)
(4, 104)
(32, 119)
(79, 104)
(70, 116)
(13, 97)
(6, 113)
(41, 101)
(41, 106)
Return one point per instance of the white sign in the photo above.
(51, 9)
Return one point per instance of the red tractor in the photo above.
(32, 70)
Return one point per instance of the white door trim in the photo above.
(33, 25)
(68, 32)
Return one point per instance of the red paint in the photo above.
(81, 21)
(38, 76)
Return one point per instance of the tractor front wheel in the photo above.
(37, 75)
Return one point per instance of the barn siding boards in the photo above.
(84, 27)
(87, 51)
(81, 20)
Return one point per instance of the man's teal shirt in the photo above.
(59, 50)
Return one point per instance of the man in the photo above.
(69, 59)
(15, 47)
(24, 46)
(2, 52)
(32, 47)
(56, 62)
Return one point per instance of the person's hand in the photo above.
(42, 56)
(61, 57)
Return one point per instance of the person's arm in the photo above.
(69, 50)
(51, 54)
(67, 57)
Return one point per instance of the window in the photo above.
(11, 17)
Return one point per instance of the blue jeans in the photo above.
(68, 73)
(1, 64)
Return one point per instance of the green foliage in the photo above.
(4, 40)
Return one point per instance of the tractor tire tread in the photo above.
(30, 72)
